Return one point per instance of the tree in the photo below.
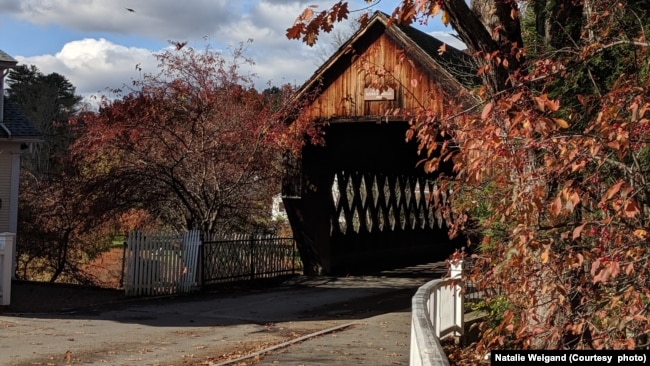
(48, 101)
(60, 229)
(66, 221)
(58, 232)
(558, 139)
(195, 144)
(337, 39)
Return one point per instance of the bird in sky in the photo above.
(131, 10)
(178, 45)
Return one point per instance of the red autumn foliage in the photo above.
(195, 145)
(551, 169)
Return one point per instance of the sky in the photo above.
(96, 44)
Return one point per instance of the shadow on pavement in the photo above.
(294, 299)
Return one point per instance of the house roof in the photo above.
(7, 61)
(453, 68)
(19, 126)
(458, 64)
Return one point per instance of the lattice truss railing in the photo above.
(375, 202)
(224, 260)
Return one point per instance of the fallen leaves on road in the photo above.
(244, 348)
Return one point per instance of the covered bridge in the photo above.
(359, 200)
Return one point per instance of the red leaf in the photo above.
(632, 209)
(578, 231)
(613, 190)
(442, 49)
(594, 266)
(556, 206)
(614, 268)
(307, 14)
(310, 38)
(561, 123)
(539, 101)
(340, 11)
(581, 259)
(295, 31)
(552, 105)
(486, 111)
(545, 254)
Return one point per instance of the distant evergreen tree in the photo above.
(49, 101)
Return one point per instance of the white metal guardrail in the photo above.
(436, 313)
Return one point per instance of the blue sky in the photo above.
(97, 43)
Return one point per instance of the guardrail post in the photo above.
(456, 272)
(456, 269)
(434, 310)
(430, 322)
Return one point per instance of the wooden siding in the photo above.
(345, 96)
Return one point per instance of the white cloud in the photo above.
(277, 59)
(449, 38)
(155, 19)
(93, 65)
(278, 70)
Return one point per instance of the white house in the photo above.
(277, 209)
(16, 133)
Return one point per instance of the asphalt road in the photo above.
(304, 321)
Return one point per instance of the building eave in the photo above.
(21, 140)
(398, 34)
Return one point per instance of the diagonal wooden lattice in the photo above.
(376, 202)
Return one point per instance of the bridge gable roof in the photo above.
(451, 68)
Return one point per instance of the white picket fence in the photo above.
(161, 264)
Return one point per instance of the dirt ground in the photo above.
(106, 269)
(42, 297)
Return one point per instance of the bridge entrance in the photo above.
(360, 201)
(364, 204)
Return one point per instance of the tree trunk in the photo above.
(563, 23)
(490, 27)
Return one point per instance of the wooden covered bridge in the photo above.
(359, 200)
